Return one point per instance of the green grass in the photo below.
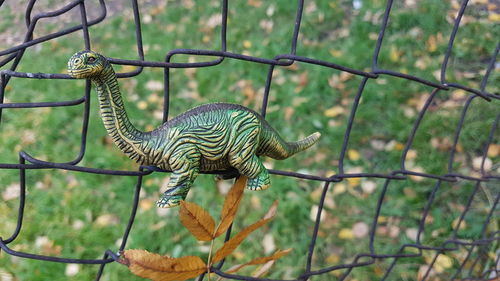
(67, 206)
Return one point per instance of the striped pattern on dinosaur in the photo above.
(210, 137)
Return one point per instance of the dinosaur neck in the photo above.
(113, 113)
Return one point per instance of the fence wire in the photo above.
(476, 248)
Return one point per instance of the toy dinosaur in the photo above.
(210, 137)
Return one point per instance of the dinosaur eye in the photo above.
(91, 59)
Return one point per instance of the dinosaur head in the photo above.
(86, 64)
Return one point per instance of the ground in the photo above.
(79, 215)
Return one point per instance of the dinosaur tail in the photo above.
(274, 146)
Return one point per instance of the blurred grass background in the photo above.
(80, 215)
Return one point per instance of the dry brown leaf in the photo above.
(162, 268)
(278, 254)
(231, 204)
(272, 210)
(234, 242)
(263, 269)
(197, 221)
(254, 3)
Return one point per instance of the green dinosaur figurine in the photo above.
(210, 137)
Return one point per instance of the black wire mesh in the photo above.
(481, 244)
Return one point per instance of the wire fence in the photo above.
(475, 248)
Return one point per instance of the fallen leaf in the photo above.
(412, 233)
(142, 105)
(494, 17)
(235, 241)
(395, 54)
(336, 53)
(431, 44)
(146, 204)
(254, 3)
(334, 111)
(231, 204)
(353, 155)
(268, 243)
(278, 254)
(315, 195)
(442, 262)
(213, 21)
(332, 259)
(419, 170)
(154, 85)
(47, 246)
(368, 186)
(477, 162)
(346, 234)
(353, 182)
(127, 68)
(494, 150)
(197, 221)
(314, 213)
(224, 186)
(266, 25)
(107, 220)
(454, 224)
(411, 154)
(289, 113)
(360, 229)
(394, 231)
(11, 192)
(162, 268)
(71, 270)
(302, 82)
(422, 271)
(247, 44)
(78, 224)
(339, 188)
(6, 276)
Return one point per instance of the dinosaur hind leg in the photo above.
(244, 159)
(185, 170)
(258, 176)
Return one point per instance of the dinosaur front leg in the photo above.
(260, 181)
(185, 169)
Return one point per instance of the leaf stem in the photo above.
(209, 260)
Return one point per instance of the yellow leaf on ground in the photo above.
(231, 204)
(127, 68)
(235, 241)
(494, 17)
(353, 182)
(431, 43)
(247, 44)
(162, 268)
(493, 150)
(346, 233)
(395, 54)
(334, 111)
(333, 259)
(336, 53)
(442, 263)
(339, 188)
(353, 154)
(197, 221)
(278, 254)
